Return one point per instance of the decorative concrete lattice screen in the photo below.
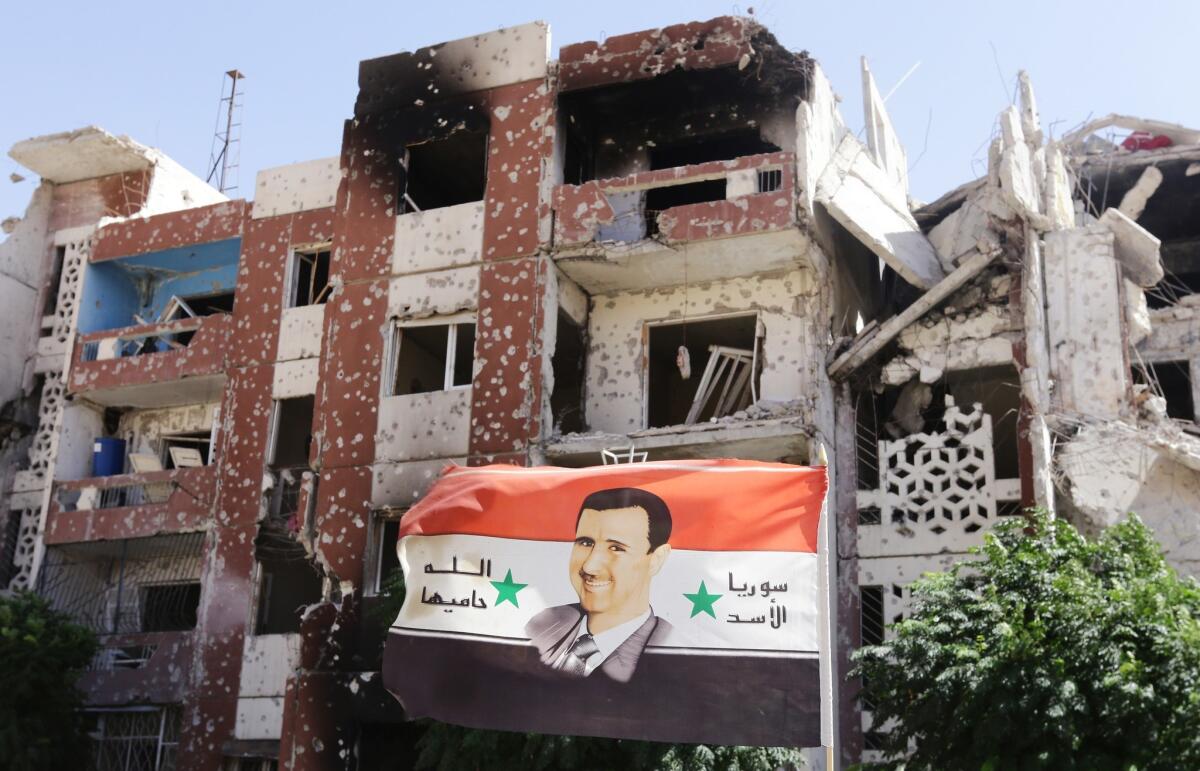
(936, 490)
(44, 452)
(936, 497)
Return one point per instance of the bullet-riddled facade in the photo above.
(668, 241)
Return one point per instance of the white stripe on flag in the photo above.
(767, 600)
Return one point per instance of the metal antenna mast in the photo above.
(227, 140)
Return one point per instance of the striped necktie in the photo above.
(575, 662)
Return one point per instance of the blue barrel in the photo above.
(108, 456)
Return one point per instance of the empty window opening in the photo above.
(432, 357)
(310, 277)
(444, 172)
(292, 432)
(186, 450)
(387, 532)
(730, 384)
(288, 583)
(137, 739)
(1171, 380)
(170, 607)
(566, 401)
(56, 269)
(659, 199)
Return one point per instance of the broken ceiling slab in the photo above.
(881, 136)
(1135, 248)
(872, 341)
(86, 153)
(1179, 135)
(860, 196)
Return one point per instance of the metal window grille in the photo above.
(129, 586)
(872, 614)
(869, 515)
(770, 180)
(145, 739)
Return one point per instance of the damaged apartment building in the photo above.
(665, 245)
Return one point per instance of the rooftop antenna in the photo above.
(226, 150)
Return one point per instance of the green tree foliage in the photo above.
(1050, 652)
(451, 748)
(41, 655)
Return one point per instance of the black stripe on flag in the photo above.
(695, 698)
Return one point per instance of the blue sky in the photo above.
(153, 70)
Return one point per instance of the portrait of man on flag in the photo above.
(625, 600)
(621, 543)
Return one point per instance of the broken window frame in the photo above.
(202, 440)
(397, 340)
(759, 338)
(381, 520)
(310, 253)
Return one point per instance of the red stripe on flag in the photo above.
(716, 505)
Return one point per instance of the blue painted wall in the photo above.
(109, 298)
(113, 291)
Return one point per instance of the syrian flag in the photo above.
(671, 601)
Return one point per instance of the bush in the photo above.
(42, 653)
(1049, 652)
(450, 748)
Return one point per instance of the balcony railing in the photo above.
(139, 340)
(757, 194)
(176, 500)
(151, 353)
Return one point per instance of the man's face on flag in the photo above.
(611, 562)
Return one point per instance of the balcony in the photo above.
(141, 597)
(131, 505)
(775, 435)
(149, 667)
(162, 364)
(674, 226)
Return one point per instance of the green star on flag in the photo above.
(702, 601)
(506, 590)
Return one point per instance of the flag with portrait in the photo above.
(674, 601)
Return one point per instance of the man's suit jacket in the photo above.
(553, 631)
